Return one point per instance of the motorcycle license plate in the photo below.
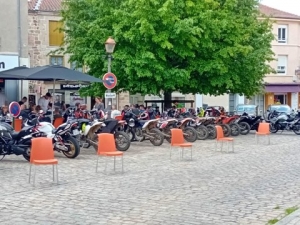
(76, 132)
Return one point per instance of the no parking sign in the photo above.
(109, 80)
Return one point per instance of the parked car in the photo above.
(251, 110)
(278, 108)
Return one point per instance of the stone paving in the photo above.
(250, 186)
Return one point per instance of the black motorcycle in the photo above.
(17, 143)
(247, 123)
(133, 126)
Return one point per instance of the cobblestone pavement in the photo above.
(215, 188)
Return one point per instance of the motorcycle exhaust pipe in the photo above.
(17, 150)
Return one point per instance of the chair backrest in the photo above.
(17, 124)
(106, 143)
(220, 133)
(264, 128)
(119, 117)
(176, 136)
(58, 122)
(41, 149)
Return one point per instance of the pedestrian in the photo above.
(44, 102)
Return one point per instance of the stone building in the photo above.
(13, 45)
(43, 38)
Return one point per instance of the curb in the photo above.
(293, 218)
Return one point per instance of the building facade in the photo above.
(13, 45)
(282, 86)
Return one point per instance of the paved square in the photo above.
(215, 188)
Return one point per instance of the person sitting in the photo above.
(23, 113)
(4, 110)
(57, 113)
(114, 112)
(151, 114)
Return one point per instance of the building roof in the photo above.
(55, 5)
(45, 5)
(276, 13)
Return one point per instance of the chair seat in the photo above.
(116, 153)
(45, 162)
(183, 145)
(260, 133)
(225, 139)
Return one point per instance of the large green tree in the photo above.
(192, 46)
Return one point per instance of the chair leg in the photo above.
(53, 172)
(114, 163)
(216, 145)
(170, 152)
(222, 146)
(182, 153)
(256, 139)
(105, 164)
(56, 173)
(268, 139)
(97, 164)
(29, 173)
(34, 175)
(232, 146)
(191, 153)
(122, 164)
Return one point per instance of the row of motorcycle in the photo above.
(69, 137)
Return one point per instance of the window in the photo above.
(282, 34)
(56, 36)
(282, 64)
(74, 66)
(56, 60)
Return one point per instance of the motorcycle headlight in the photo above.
(131, 123)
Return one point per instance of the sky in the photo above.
(291, 6)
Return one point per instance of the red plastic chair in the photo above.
(107, 148)
(42, 154)
(177, 140)
(263, 130)
(222, 139)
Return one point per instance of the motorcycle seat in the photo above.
(290, 120)
(14, 134)
(143, 121)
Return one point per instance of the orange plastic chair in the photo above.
(58, 122)
(264, 130)
(17, 124)
(119, 117)
(222, 139)
(42, 154)
(177, 140)
(107, 148)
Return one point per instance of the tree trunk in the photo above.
(167, 100)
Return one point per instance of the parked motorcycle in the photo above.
(61, 136)
(247, 123)
(150, 131)
(90, 131)
(283, 122)
(17, 143)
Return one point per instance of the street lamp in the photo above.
(109, 47)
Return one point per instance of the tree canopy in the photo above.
(192, 46)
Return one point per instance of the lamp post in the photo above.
(109, 46)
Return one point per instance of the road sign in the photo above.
(14, 109)
(109, 80)
(110, 95)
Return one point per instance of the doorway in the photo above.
(280, 98)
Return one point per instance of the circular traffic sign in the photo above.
(109, 80)
(14, 109)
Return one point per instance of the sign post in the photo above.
(14, 109)
(110, 82)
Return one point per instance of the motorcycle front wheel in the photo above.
(158, 137)
(296, 129)
(73, 147)
(244, 128)
(190, 134)
(212, 132)
(226, 129)
(202, 132)
(122, 141)
(235, 129)
(273, 128)
(139, 134)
